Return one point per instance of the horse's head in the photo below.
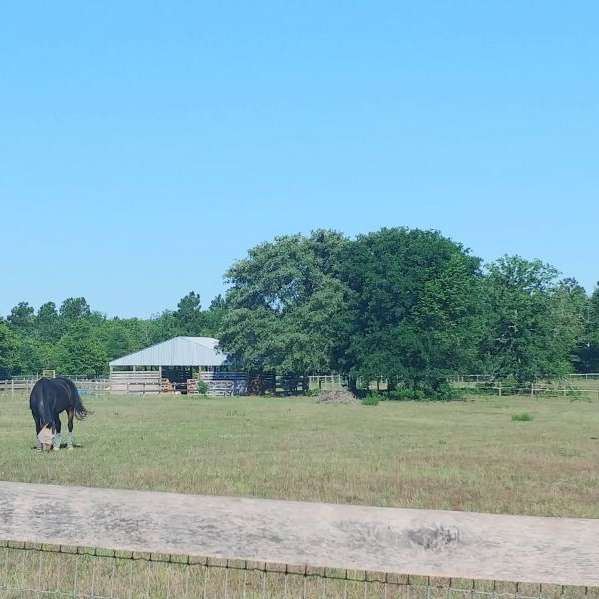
(46, 438)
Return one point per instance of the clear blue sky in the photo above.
(145, 146)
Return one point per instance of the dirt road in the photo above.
(408, 541)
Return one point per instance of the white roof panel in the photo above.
(179, 351)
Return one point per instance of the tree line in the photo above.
(408, 305)
(73, 339)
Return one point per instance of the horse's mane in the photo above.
(39, 402)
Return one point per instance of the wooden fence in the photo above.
(130, 381)
(18, 386)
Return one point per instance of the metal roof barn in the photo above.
(179, 351)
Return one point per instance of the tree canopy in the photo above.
(407, 305)
(533, 320)
(282, 304)
(413, 299)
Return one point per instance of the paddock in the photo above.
(461, 456)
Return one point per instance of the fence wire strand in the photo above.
(78, 573)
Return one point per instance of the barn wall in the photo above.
(129, 381)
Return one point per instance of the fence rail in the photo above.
(485, 378)
(43, 570)
(15, 387)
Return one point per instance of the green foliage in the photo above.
(283, 303)
(533, 320)
(77, 340)
(21, 317)
(34, 355)
(47, 323)
(372, 399)
(213, 317)
(407, 394)
(410, 306)
(189, 316)
(73, 309)
(80, 352)
(414, 309)
(587, 353)
(202, 387)
(524, 417)
(8, 349)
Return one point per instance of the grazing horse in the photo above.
(50, 397)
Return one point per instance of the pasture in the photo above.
(464, 455)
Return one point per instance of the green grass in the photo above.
(524, 417)
(448, 455)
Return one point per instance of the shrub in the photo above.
(442, 393)
(524, 417)
(405, 393)
(372, 399)
(202, 387)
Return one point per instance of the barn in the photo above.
(175, 366)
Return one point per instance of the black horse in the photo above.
(50, 397)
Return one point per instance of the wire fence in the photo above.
(29, 570)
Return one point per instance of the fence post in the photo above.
(532, 389)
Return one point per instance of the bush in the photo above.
(312, 392)
(202, 387)
(406, 394)
(524, 417)
(442, 393)
(372, 399)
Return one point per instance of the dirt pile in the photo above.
(338, 396)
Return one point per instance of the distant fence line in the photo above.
(486, 378)
(20, 386)
(40, 570)
(242, 384)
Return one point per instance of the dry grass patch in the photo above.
(455, 455)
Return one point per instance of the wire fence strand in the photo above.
(44, 571)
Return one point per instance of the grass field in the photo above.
(467, 455)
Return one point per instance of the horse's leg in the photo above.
(71, 414)
(38, 428)
(57, 436)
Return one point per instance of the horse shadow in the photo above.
(64, 446)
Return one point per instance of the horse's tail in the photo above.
(81, 412)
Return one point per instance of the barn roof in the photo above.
(178, 351)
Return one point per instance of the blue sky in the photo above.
(145, 146)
